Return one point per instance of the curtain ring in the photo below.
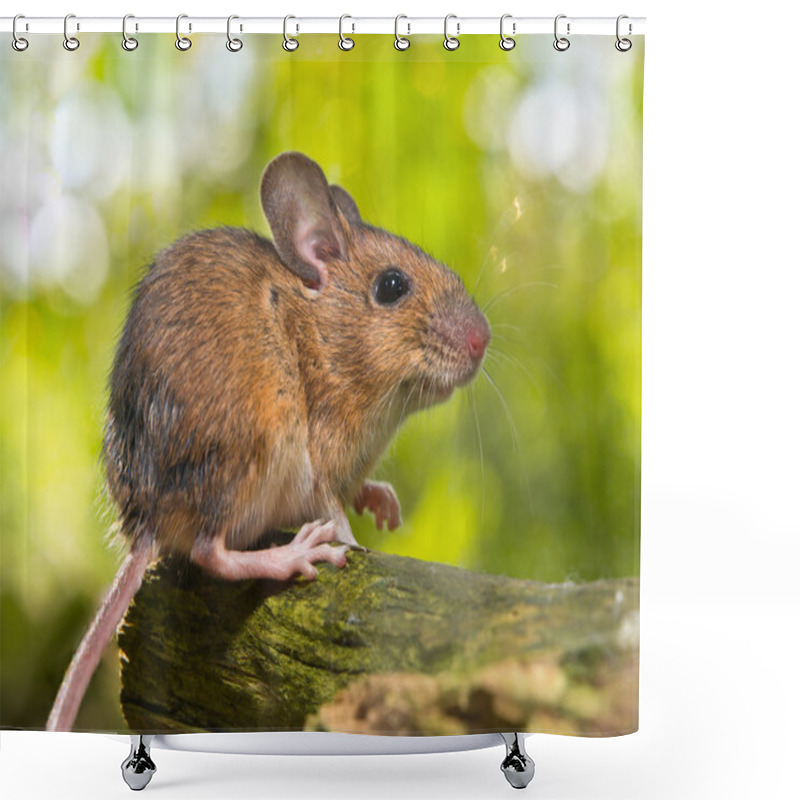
(451, 42)
(129, 43)
(71, 43)
(182, 42)
(561, 43)
(290, 44)
(17, 42)
(234, 45)
(506, 42)
(400, 42)
(345, 42)
(623, 45)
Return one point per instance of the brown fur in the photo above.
(242, 399)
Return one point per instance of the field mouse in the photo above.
(256, 383)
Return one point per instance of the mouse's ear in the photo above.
(346, 205)
(302, 214)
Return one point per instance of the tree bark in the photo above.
(386, 645)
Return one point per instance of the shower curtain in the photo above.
(488, 223)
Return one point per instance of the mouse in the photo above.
(257, 382)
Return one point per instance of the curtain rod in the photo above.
(407, 26)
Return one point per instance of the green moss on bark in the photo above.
(200, 654)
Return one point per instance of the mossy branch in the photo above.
(385, 645)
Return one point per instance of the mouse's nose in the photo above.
(478, 339)
(476, 345)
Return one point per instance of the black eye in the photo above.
(390, 286)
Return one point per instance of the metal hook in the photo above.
(234, 45)
(345, 42)
(129, 43)
(71, 43)
(561, 43)
(623, 45)
(506, 42)
(290, 44)
(451, 42)
(17, 42)
(400, 42)
(182, 42)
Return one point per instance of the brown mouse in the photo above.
(256, 385)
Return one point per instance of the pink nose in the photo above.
(476, 344)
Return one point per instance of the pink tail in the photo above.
(87, 657)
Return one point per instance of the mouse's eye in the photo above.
(390, 286)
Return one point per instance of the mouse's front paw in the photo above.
(382, 501)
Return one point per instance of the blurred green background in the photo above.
(520, 170)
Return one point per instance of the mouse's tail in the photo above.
(87, 656)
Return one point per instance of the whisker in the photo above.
(495, 300)
(500, 357)
(509, 417)
(405, 404)
(496, 325)
(474, 406)
(484, 264)
(499, 337)
(386, 402)
(523, 470)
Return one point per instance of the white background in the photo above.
(720, 695)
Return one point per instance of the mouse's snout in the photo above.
(462, 335)
(470, 334)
